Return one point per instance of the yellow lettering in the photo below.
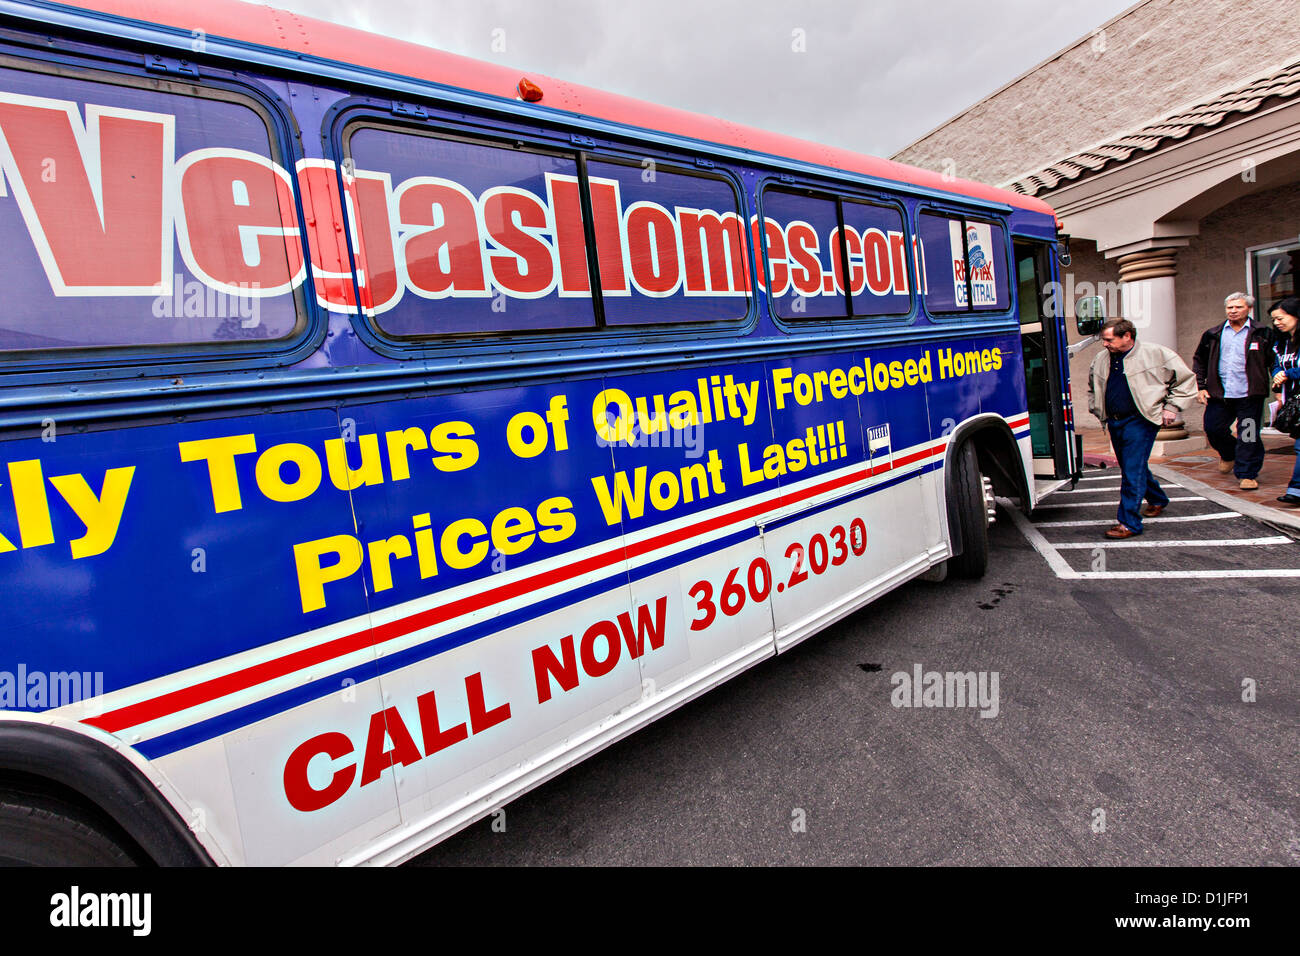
(398, 444)
(342, 475)
(313, 576)
(382, 553)
(451, 552)
(102, 513)
(512, 531)
(33, 508)
(557, 518)
(454, 446)
(220, 454)
(276, 457)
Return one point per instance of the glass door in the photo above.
(1038, 337)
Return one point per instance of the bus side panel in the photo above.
(708, 550)
(163, 560)
(822, 558)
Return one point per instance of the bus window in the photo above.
(876, 244)
(90, 164)
(671, 245)
(807, 259)
(801, 258)
(986, 252)
(486, 237)
(964, 263)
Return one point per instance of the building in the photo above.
(1168, 141)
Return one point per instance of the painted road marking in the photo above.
(1051, 553)
(1094, 491)
(1102, 504)
(1188, 543)
(1145, 521)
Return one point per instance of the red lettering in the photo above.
(570, 239)
(96, 227)
(646, 627)
(802, 238)
(718, 241)
(897, 257)
(853, 249)
(318, 185)
(299, 791)
(368, 195)
(776, 261)
(609, 237)
(240, 227)
(387, 724)
(443, 254)
(480, 718)
(652, 247)
(875, 250)
(546, 664)
(435, 738)
(514, 218)
(598, 667)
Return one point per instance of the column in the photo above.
(1147, 300)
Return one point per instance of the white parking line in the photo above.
(1102, 504)
(1052, 553)
(1099, 478)
(1187, 543)
(1093, 491)
(1094, 524)
(1242, 573)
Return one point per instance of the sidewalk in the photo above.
(1199, 470)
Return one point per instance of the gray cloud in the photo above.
(871, 76)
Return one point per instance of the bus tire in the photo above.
(971, 513)
(36, 830)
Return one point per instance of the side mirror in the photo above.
(1063, 249)
(1090, 315)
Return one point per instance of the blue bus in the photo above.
(384, 432)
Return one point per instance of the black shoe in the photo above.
(1289, 499)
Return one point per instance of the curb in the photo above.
(1250, 509)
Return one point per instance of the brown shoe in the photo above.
(1225, 467)
(1120, 531)
(1249, 484)
(1153, 511)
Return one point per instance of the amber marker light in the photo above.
(529, 91)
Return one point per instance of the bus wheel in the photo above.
(36, 830)
(971, 508)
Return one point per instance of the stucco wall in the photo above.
(1211, 267)
(1153, 59)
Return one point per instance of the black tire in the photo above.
(39, 830)
(968, 508)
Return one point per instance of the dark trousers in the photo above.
(1247, 456)
(1132, 439)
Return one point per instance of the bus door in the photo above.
(1040, 341)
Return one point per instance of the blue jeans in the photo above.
(1132, 439)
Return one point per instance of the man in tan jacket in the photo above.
(1135, 388)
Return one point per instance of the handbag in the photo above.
(1287, 418)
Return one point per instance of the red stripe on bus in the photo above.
(209, 690)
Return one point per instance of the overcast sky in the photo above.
(871, 75)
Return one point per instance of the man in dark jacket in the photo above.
(1232, 377)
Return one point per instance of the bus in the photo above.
(384, 431)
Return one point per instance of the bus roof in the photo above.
(278, 29)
